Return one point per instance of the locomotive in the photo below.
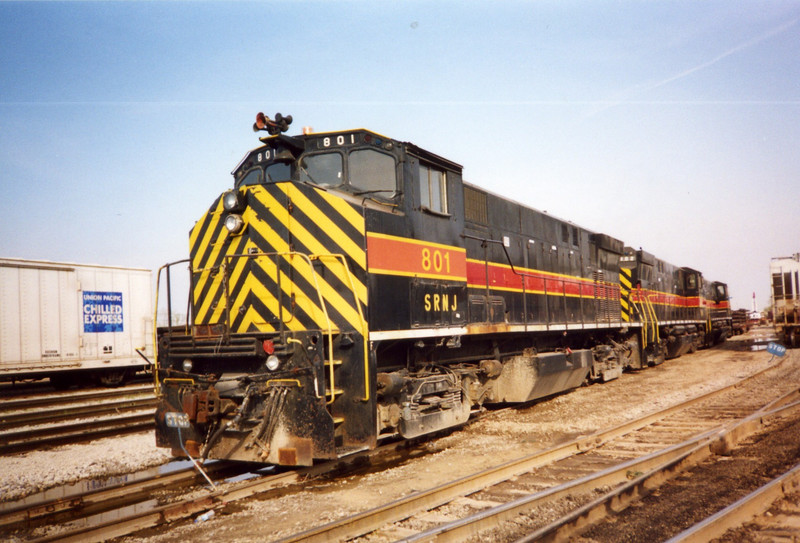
(352, 287)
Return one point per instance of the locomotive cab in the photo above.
(718, 312)
(690, 287)
(275, 366)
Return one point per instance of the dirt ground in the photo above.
(499, 437)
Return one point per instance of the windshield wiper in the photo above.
(375, 191)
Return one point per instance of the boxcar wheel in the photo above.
(112, 378)
(63, 381)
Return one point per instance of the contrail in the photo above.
(638, 89)
(740, 47)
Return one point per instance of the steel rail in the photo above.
(186, 508)
(737, 513)
(25, 440)
(473, 525)
(178, 510)
(168, 513)
(367, 521)
(78, 505)
(622, 496)
(59, 399)
(81, 506)
(17, 420)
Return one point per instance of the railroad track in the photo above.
(43, 387)
(672, 463)
(82, 516)
(57, 399)
(748, 515)
(617, 440)
(62, 418)
(73, 504)
(469, 506)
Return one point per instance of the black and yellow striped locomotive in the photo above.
(351, 287)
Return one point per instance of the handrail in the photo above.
(655, 318)
(644, 321)
(323, 307)
(364, 328)
(329, 328)
(167, 266)
(647, 314)
(331, 394)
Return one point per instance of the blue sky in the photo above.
(674, 126)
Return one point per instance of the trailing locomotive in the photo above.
(352, 286)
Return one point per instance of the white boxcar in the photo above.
(73, 322)
(785, 273)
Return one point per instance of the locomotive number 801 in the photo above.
(351, 287)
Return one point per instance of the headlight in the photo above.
(231, 201)
(234, 223)
(187, 365)
(273, 362)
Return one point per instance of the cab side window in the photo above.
(433, 188)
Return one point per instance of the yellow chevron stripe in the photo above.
(299, 232)
(351, 248)
(214, 293)
(301, 299)
(211, 296)
(345, 210)
(197, 230)
(287, 286)
(212, 258)
(270, 301)
(216, 215)
(266, 296)
(624, 293)
(238, 264)
(280, 245)
(313, 244)
(329, 295)
(252, 317)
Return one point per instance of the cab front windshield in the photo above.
(361, 171)
(277, 171)
(368, 171)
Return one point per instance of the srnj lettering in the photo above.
(440, 302)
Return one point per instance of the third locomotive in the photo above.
(351, 286)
